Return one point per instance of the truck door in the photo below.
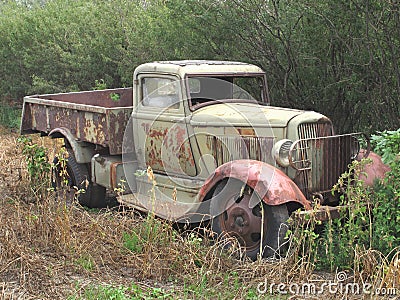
(160, 130)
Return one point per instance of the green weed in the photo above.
(132, 242)
(38, 165)
(354, 226)
(115, 97)
(103, 292)
(86, 262)
(152, 232)
(100, 84)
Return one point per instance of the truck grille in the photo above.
(314, 130)
(321, 160)
(228, 148)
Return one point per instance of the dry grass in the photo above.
(50, 251)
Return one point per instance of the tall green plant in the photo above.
(37, 164)
(386, 224)
(354, 227)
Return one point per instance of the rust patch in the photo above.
(146, 127)
(118, 120)
(246, 131)
(39, 119)
(113, 174)
(169, 150)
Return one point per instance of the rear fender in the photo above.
(272, 185)
(83, 151)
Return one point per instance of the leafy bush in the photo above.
(387, 144)
(386, 223)
(37, 163)
(10, 117)
(319, 55)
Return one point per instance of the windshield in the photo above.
(203, 90)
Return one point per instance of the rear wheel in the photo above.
(71, 179)
(259, 228)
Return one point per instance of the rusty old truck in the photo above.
(196, 141)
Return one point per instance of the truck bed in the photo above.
(98, 117)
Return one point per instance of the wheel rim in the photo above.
(243, 222)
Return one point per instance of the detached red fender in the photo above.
(375, 170)
(270, 183)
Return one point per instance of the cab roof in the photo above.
(198, 67)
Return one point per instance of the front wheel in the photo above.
(259, 228)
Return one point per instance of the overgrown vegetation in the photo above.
(10, 116)
(366, 238)
(387, 145)
(340, 58)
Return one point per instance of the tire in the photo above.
(234, 217)
(78, 177)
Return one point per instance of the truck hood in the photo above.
(243, 114)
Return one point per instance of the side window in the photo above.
(160, 92)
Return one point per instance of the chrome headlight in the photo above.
(280, 152)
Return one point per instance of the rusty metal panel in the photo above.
(108, 171)
(102, 126)
(117, 122)
(320, 161)
(39, 117)
(26, 119)
(92, 128)
(59, 117)
(167, 148)
(229, 148)
(110, 98)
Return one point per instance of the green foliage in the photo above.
(354, 226)
(115, 97)
(101, 292)
(386, 222)
(339, 58)
(152, 232)
(37, 162)
(10, 116)
(86, 262)
(387, 144)
(99, 85)
(132, 242)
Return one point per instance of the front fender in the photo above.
(270, 183)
